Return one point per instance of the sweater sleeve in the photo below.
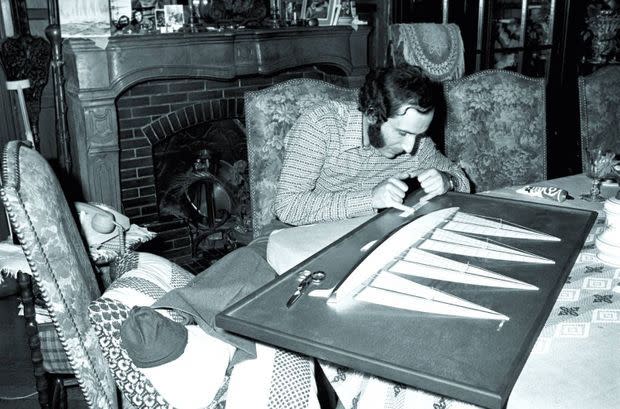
(430, 157)
(297, 202)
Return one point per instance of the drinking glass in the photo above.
(598, 166)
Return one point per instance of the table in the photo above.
(574, 363)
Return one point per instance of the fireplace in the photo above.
(143, 105)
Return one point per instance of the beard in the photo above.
(374, 136)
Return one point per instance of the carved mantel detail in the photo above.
(95, 77)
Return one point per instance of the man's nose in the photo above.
(408, 143)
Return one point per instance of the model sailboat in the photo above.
(379, 277)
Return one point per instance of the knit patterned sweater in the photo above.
(328, 174)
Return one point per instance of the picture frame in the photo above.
(294, 8)
(120, 13)
(84, 18)
(322, 10)
(174, 16)
(160, 19)
(347, 12)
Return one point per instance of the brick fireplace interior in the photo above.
(164, 126)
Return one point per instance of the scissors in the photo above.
(308, 278)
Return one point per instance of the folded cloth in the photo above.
(151, 339)
(230, 279)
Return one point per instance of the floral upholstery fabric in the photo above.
(48, 234)
(599, 109)
(270, 114)
(437, 48)
(496, 128)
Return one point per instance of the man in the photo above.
(345, 160)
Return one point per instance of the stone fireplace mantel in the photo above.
(95, 77)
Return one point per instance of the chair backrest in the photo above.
(599, 110)
(496, 128)
(270, 113)
(437, 48)
(43, 223)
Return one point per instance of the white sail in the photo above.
(393, 291)
(469, 223)
(443, 241)
(419, 263)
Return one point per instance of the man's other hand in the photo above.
(434, 183)
(388, 192)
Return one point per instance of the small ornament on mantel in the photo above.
(275, 17)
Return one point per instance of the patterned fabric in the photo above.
(107, 316)
(144, 278)
(496, 128)
(587, 302)
(599, 109)
(48, 234)
(357, 390)
(327, 174)
(54, 357)
(290, 381)
(437, 48)
(270, 113)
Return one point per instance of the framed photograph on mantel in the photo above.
(322, 10)
(295, 10)
(80, 18)
(345, 17)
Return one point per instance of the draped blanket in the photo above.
(437, 48)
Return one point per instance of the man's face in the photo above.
(399, 132)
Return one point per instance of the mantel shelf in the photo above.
(96, 73)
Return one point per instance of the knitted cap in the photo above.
(151, 339)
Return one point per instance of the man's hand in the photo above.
(389, 192)
(434, 183)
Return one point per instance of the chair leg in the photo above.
(59, 394)
(32, 331)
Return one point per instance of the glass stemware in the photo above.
(598, 166)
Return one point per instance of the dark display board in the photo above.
(477, 361)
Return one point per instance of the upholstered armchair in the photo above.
(270, 113)
(496, 128)
(437, 48)
(51, 242)
(599, 110)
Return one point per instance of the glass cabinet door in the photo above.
(519, 33)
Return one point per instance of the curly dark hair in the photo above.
(386, 90)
